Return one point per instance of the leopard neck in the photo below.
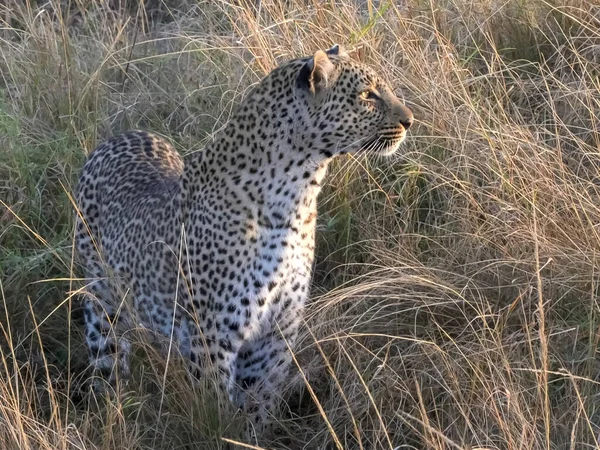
(263, 159)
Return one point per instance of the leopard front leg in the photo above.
(262, 368)
(217, 355)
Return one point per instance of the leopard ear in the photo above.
(336, 50)
(315, 73)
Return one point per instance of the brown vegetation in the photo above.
(455, 301)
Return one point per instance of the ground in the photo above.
(455, 295)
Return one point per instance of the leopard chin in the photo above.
(392, 146)
(385, 145)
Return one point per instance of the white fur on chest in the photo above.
(281, 267)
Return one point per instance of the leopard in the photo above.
(214, 250)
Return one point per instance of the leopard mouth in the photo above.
(386, 143)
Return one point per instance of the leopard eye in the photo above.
(368, 95)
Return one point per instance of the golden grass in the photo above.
(455, 302)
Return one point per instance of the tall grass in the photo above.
(455, 303)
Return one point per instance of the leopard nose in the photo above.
(406, 116)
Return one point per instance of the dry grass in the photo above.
(456, 293)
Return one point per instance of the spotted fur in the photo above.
(215, 250)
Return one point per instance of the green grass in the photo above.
(455, 302)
